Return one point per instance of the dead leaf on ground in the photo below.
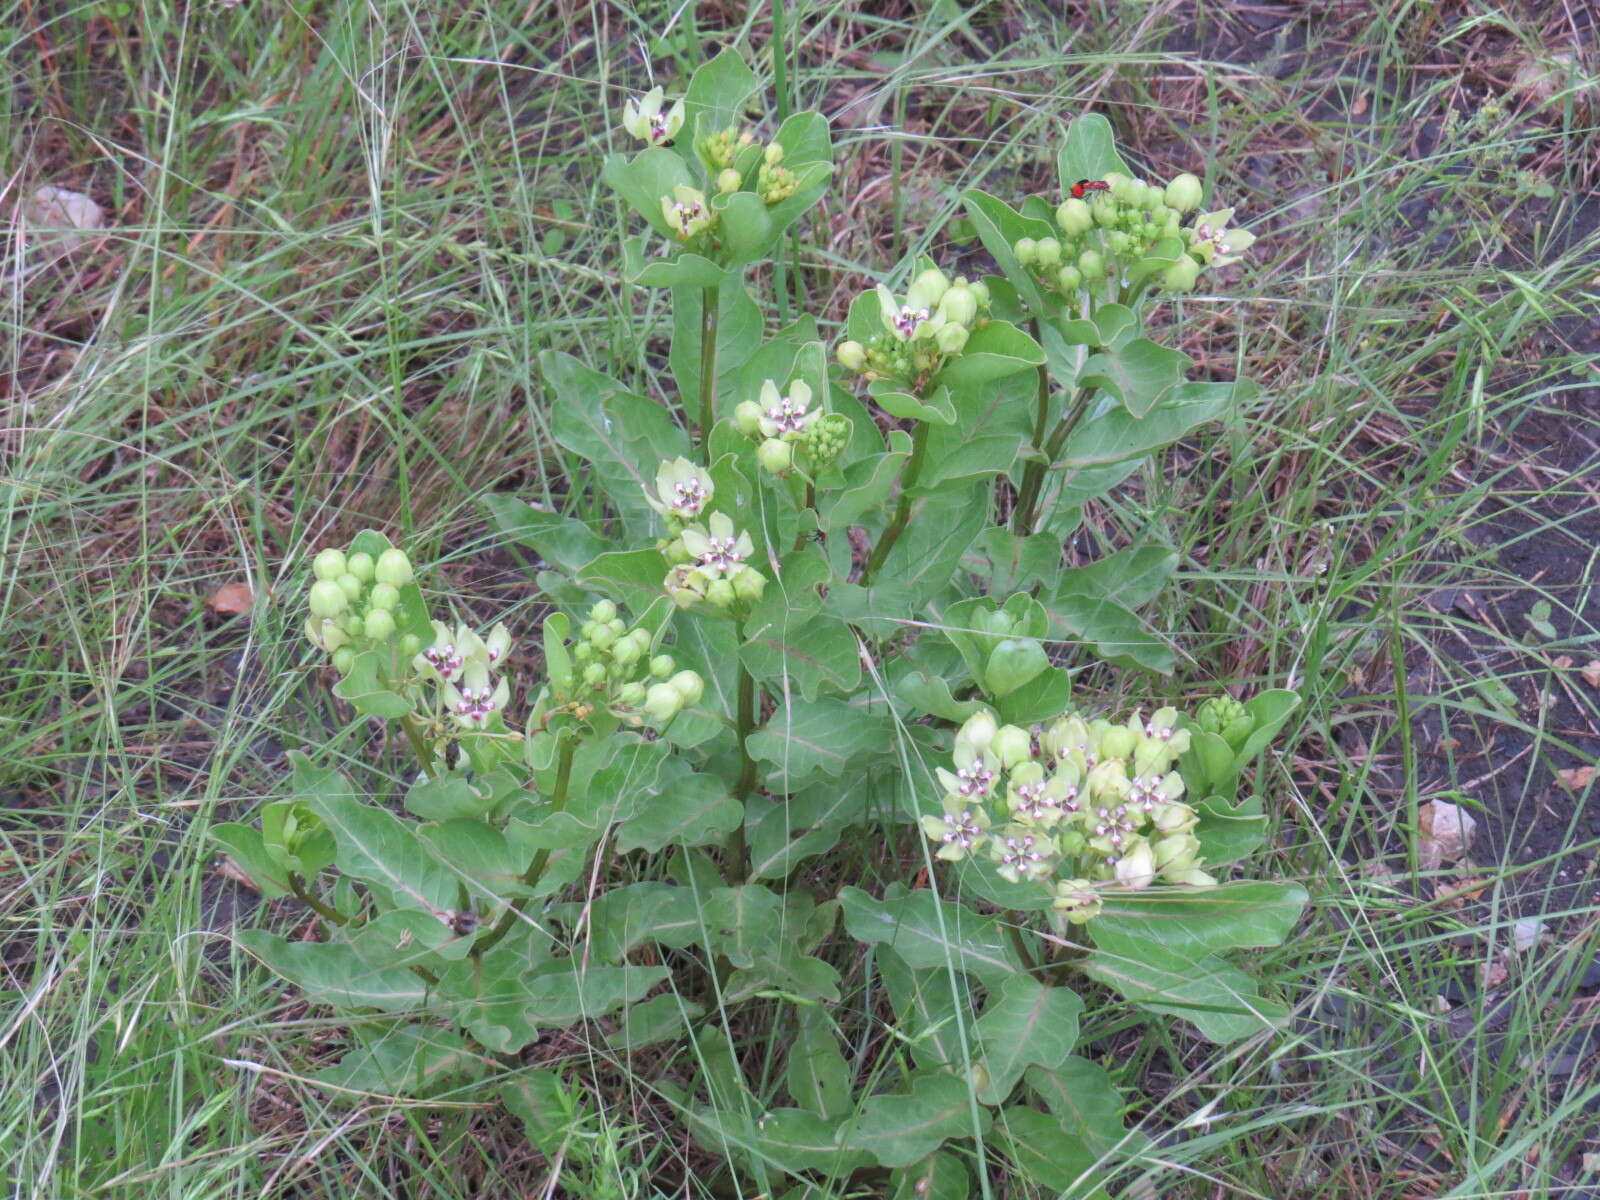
(1455, 895)
(231, 599)
(1591, 673)
(1575, 779)
(1445, 830)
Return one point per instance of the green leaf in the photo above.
(1087, 1106)
(1024, 1023)
(1202, 921)
(1117, 434)
(982, 878)
(513, 1012)
(1049, 1158)
(926, 931)
(1117, 634)
(937, 408)
(560, 541)
(1270, 710)
(663, 1018)
(784, 832)
(327, 973)
(995, 349)
(1043, 698)
(898, 1129)
(1089, 152)
(868, 483)
(620, 436)
(1140, 374)
(244, 845)
(1013, 663)
(446, 798)
(690, 810)
(817, 1076)
(1014, 563)
(643, 180)
(375, 846)
(478, 856)
(540, 1100)
(717, 93)
(364, 693)
(680, 270)
(1221, 1001)
(624, 918)
(790, 1140)
(940, 1176)
(633, 577)
(932, 694)
(928, 1018)
(1229, 832)
(739, 326)
(942, 526)
(810, 737)
(1113, 326)
(992, 423)
(406, 1060)
(811, 655)
(1130, 577)
(1000, 227)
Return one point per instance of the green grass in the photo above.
(338, 235)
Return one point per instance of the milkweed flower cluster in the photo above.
(931, 323)
(792, 430)
(1083, 804)
(466, 668)
(614, 668)
(353, 600)
(1108, 225)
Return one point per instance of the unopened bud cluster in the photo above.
(613, 667)
(466, 667)
(1113, 223)
(1226, 717)
(930, 324)
(708, 567)
(793, 431)
(353, 601)
(1083, 804)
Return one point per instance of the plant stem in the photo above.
(1027, 506)
(297, 887)
(1014, 936)
(709, 309)
(902, 512)
(737, 869)
(1033, 473)
(780, 89)
(535, 871)
(419, 744)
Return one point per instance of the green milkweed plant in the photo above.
(817, 591)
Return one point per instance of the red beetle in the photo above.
(1084, 186)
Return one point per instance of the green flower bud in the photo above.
(361, 566)
(662, 702)
(327, 599)
(410, 645)
(1011, 745)
(1117, 743)
(728, 181)
(979, 730)
(1077, 900)
(1181, 276)
(1136, 868)
(772, 155)
(959, 305)
(355, 626)
(603, 637)
(689, 686)
(603, 611)
(393, 568)
(631, 694)
(720, 593)
(927, 289)
(1183, 193)
(951, 338)
(1027, 251)
(980, 293)
(747, 417)
(625, 652)
(379, 624)
(329, 564)
(1093, 267)
(776, 457)
(1049, 253)
(661, 665)
(852, 356)
(618, 626)
(385, 596)
(1074, 218)
(350, 586)
(343, 659)
(582, 653)
(594, 675)
(748, 585)
(1118, 242)
(1106, 212)
(1069, 279)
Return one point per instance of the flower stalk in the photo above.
(902, 513)
(535, 871)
